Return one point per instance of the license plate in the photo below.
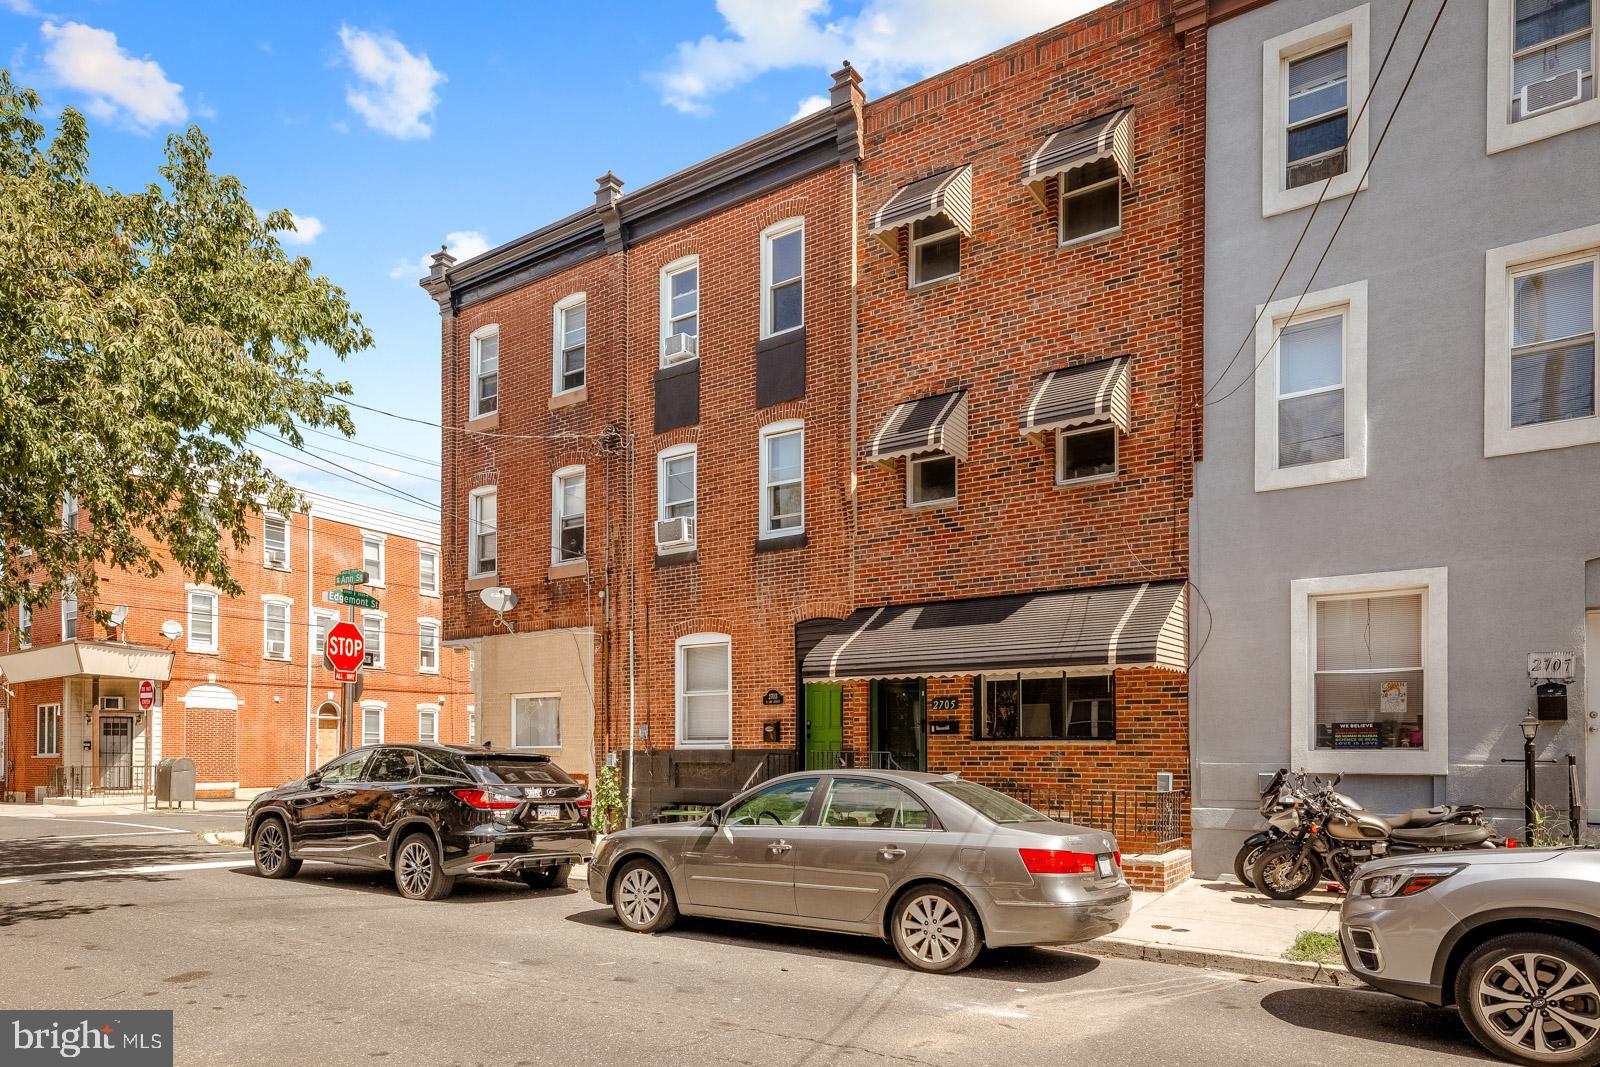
(549, 812)
(1103, 867)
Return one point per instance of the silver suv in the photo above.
(1510, 937)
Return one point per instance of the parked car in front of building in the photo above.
(937, 866)
(428, 813)
(1510, 937)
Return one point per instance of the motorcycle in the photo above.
(1324, 836)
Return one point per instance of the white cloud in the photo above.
(809, 106)
(463, 244)
(398, 90)
(118, 85)
(307, 228)
(21, 7)
(892, 42)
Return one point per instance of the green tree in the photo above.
(143, 336)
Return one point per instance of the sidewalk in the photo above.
(1222, 925)
(89, 811)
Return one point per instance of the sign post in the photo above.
(347, 656)
(147, 700)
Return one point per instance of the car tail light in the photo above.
(1116, 857)
(1512, 842)
(1056, 861)
(585, 804)
(484, 800)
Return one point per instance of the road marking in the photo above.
(116, 833)
(107, 872)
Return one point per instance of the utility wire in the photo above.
(350, 475)
(1349, 203)
(363, 444)
(320, 449)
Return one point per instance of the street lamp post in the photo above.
(1530, 732)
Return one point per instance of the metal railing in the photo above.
(81, 782)
(1138, 820)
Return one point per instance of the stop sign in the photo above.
(346, 649)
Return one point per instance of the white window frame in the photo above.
(375, 579)
(369, 706)
(663, 457)
(39, 713)
(269, 601)
(697, 641)
(558, 339)
(1351, 301)
(912, 465)
(267, 519)
(768, 236)
(1503, 134)
(69, 596)
(426, 626)
(476, 412)
(1079, 431)
(768, 432)
(382, 619)
(69, 512)
(678, 266)
(474, 531)
(428, 711)
(1500, 438)
(24, 625)
(317, 616)
(1349, 27)
(1063, 194)
(556, 515)
(914, 278)
(433, 589)
(1433, 758)
(535, 696)
(190, 592)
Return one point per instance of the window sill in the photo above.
(932, 505)
(203, 652)
(1505, 134)
(1089, 238)
(277, 567)
(931, 283)
(482, 581)
(427, 670)
(569, 398)
(712, 746)
(1541, 436)
(1279, 201)
(428, 592)
(483, 423)
(1339, 470)
(780, 334)
(780, 543)
(276, 659)
(1078, 483)
(577, 568)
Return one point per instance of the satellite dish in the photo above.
(171, 630)
(498, 599)
(119, 615)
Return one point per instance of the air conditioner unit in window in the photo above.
(680, 348)
(675, 533)
(1553, 92)
(276, 558)
(111, 703)
(277, 650)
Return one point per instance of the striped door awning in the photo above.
(1081, 396)
(1109, 136)
(930, 424)
(1074, 630)
(948, 193)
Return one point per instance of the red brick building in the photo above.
(242, 690)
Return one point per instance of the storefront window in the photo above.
(1053, 708)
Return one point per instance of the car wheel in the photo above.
(642, 898)
(1283, 873)
(418, 872)
(1244, 862)
(1532, 998)
(271, 851)
(934, 929)
(546, 877)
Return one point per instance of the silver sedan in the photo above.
(937, 866)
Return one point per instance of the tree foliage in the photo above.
(143, 336)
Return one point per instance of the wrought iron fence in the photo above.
(116, 780)
(1138, 820)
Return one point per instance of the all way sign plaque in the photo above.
(353, 598)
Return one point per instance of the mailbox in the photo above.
(772, 732)
(175, 781)
(1551, 699)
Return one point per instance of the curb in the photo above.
(223, 837)
(1233, 962)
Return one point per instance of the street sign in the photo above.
(1551, 666)
(350, 578)
(147, 695)
(354, 598)
(346, 650)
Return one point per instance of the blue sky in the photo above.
(392, 128)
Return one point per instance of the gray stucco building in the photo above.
(1399, 499)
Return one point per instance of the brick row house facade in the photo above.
(884, 423)
(241, 689)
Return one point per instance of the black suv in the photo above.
(431, 814)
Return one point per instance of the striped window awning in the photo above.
(930, 424)
(1081, 396)
(1107, 137)
(948, 193)
(1071, 630)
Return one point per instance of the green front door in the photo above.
(824, 725)
(899, 726)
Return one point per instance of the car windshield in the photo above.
(992, 805)
(511, 770)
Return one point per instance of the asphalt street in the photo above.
(136, 912)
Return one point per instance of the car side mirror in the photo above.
(714, 817)
(313, 779)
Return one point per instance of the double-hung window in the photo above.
(322, 622)
(675, 496)
(568, 521)
(47, 730)
(372, 557)
(680, 311)
(428, 646)
(935, 250)
(481, 537)
(1311, 391)
(428, 722)
(1313, 133)
(1552, 58)
(275, 542)
(783, 479)
(24, 625)
(485, 371)
(1091, 201)
(275, 628)
(69, 612)
(536, 720)
(428, 571)
(372, 627)
(783, 277)
(1319, 116)
(571, 333)
(69, 512)
(372, 723)
(705, 691)
(202, 620)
